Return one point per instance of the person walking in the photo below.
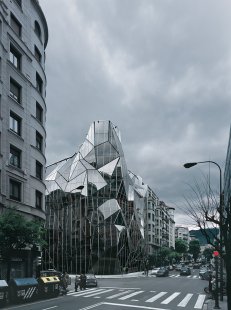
(83, 280)
(77, 283)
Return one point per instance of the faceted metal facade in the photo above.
(95, 208)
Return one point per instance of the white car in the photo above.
(154, 271)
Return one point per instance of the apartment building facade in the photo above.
(182, 233)
(23, 39)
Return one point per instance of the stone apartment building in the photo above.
(23, 39)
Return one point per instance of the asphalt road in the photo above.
(174, 292)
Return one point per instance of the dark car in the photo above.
(185, 271)
(91, 280)
(162, 272)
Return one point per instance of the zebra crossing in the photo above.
(189, 277)
(182, 300)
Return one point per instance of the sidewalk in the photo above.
(209, 304)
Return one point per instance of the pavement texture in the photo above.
(210, 303)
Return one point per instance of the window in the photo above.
(15, 156)
(15, 57)
(39, 170)
(38, 199)
(39, 83)
(19, 2)
(37, 54)
(15, 90)
(15, 190)
(15, 123)
(39, 141)
(15, 25)
(37, 29)
(39, 112)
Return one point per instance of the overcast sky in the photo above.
(159, 70)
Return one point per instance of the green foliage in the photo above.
(210, 232)
(181, 246)
(208, 253)
(17, 233)
(194, 248)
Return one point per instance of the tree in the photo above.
(207, 210)
(194, 249)
(181, 246)
(17, 233)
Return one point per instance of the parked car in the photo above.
(162, 272)
(196, 266)
(178, 267)
(154, 271)
(185, 271)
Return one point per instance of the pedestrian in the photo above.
(83, 280)
(64, 283)
(77, 283)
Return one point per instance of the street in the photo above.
(173, 292)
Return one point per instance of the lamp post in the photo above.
(189, 165)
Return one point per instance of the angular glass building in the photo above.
(95, 208)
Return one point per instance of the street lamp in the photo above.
(189, 165)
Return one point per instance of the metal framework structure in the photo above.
(95, 208)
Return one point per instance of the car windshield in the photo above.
(90, 276)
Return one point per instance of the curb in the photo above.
(205, 305)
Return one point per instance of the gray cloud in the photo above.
(159, 70)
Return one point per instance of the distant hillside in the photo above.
(198, 235)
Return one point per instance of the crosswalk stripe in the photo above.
(185, 301)
(188, 276)
(154, 298)
(131, 295)
(170, 298)
(200, 302)
(81, 292)
(172, 276)
(85, 293)
(99, 293)
(194, 277)
(119, 294)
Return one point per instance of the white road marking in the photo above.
(170, 298)
(50, 308)
(82, 292)
(131, 295)
(154, 298)
(200, 302)
(185, 301)
(117, 295)
(131, 306)
(98, 293)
